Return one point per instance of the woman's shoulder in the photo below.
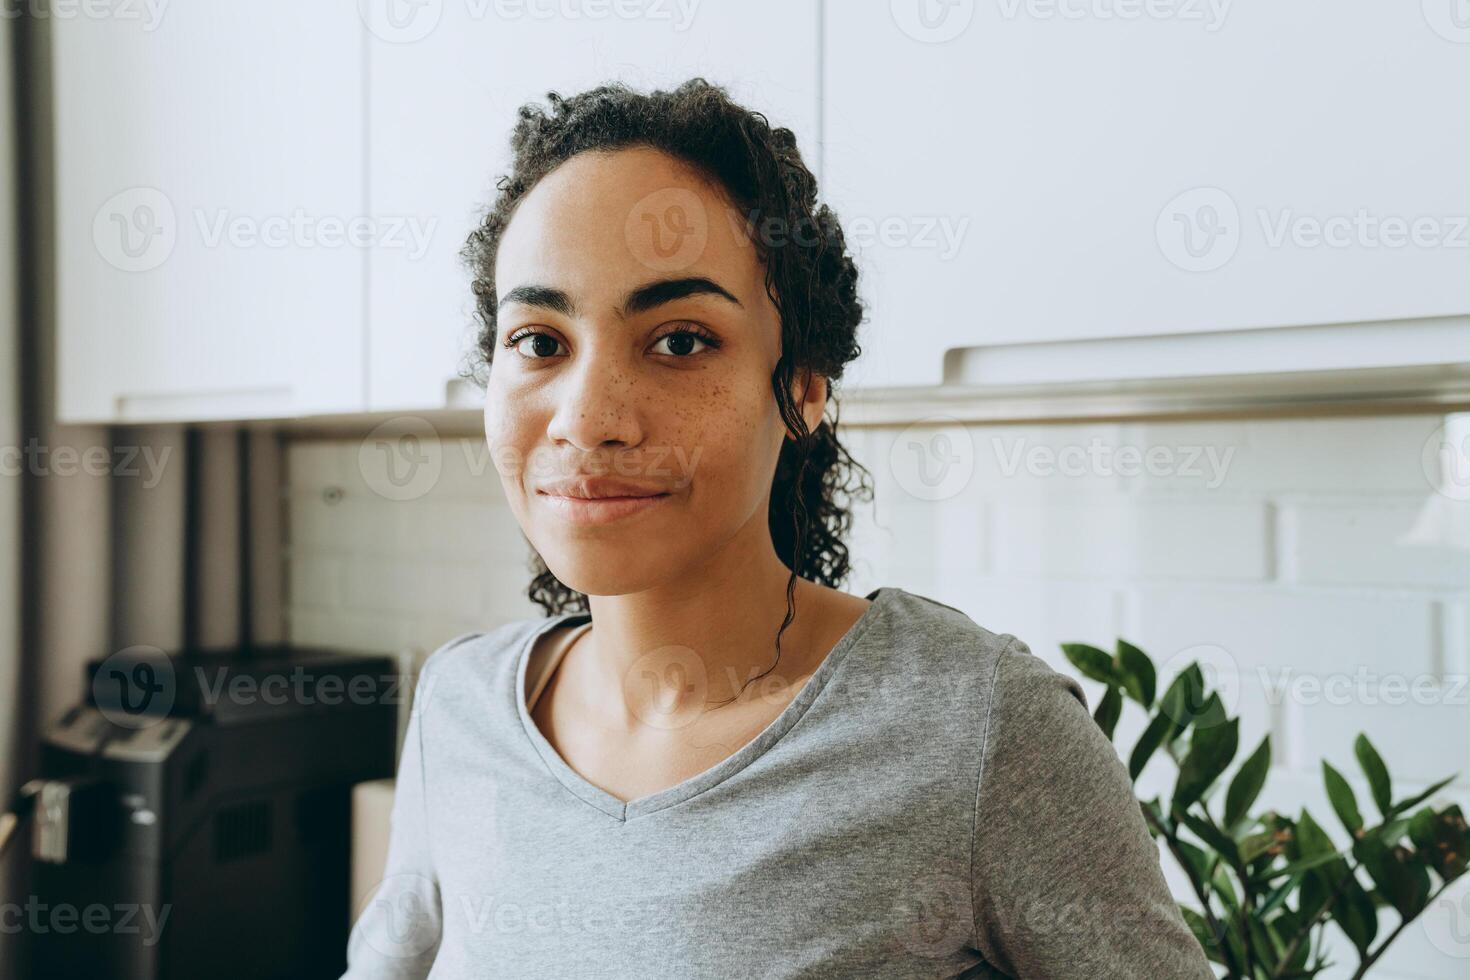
(949, 641)
(474, 669)
(934, 662)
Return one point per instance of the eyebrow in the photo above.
(639, 300)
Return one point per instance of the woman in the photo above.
(708, 761)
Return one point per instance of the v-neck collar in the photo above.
(602, 800)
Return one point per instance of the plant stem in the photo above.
(1247, 899)
(1215, 928)
(1373, 957)
(1306, 930)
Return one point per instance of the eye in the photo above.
(685, 341)
(541, 346)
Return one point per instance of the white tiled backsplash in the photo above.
(1268, 549)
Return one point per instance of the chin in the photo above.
(604, 568)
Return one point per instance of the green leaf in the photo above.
(1285, 927)
(1353, 909)
(1092, 662)
(1278, 896)
(1413, 801)
(1247, 784)
(1355, 913)
(1212, 713)
(1211, 835)
(1376, 772)
(1108, 711)
(1265, 947)
(1400, 874)
(1230, 924)
(1255, 845)
(1159, 729)
(1210, 752)
(1313, 896)
(1222, 885)
(1137, 670)
(1443, 839)
(1297, 867)
(1208, 941)
(1392, 831)
(1155, 807)
(1184, 699)
(1196, 862)
(1421, 828)
(1344, 801)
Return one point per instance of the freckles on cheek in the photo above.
(729, 423)
(715, 414)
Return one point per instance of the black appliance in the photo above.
(197, 807)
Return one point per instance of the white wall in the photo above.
(1256, 546)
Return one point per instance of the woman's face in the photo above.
(636, 345)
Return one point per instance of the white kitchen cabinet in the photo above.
(260, 206)
(1025, 172)
(445, 83)
(209, 190)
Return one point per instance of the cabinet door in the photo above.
(209, 196)
(1027, 171)
(446, 81)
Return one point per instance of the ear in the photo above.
(809, 390)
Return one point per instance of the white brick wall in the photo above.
(1268, 548)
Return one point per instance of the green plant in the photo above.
(1269, 885)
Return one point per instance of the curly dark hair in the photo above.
(810, 277)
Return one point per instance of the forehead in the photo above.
(604, 220)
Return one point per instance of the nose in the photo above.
(596, 404)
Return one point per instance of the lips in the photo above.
(600, 500)
(600, 488)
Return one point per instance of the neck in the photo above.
(663, 655)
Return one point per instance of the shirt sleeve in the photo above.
(397, 932)
(1065, 877)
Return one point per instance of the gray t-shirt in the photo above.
(935, 802)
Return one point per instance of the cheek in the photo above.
(735, 428)
(495, 420)
(509, 431)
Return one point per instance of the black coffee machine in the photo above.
(194, 814)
